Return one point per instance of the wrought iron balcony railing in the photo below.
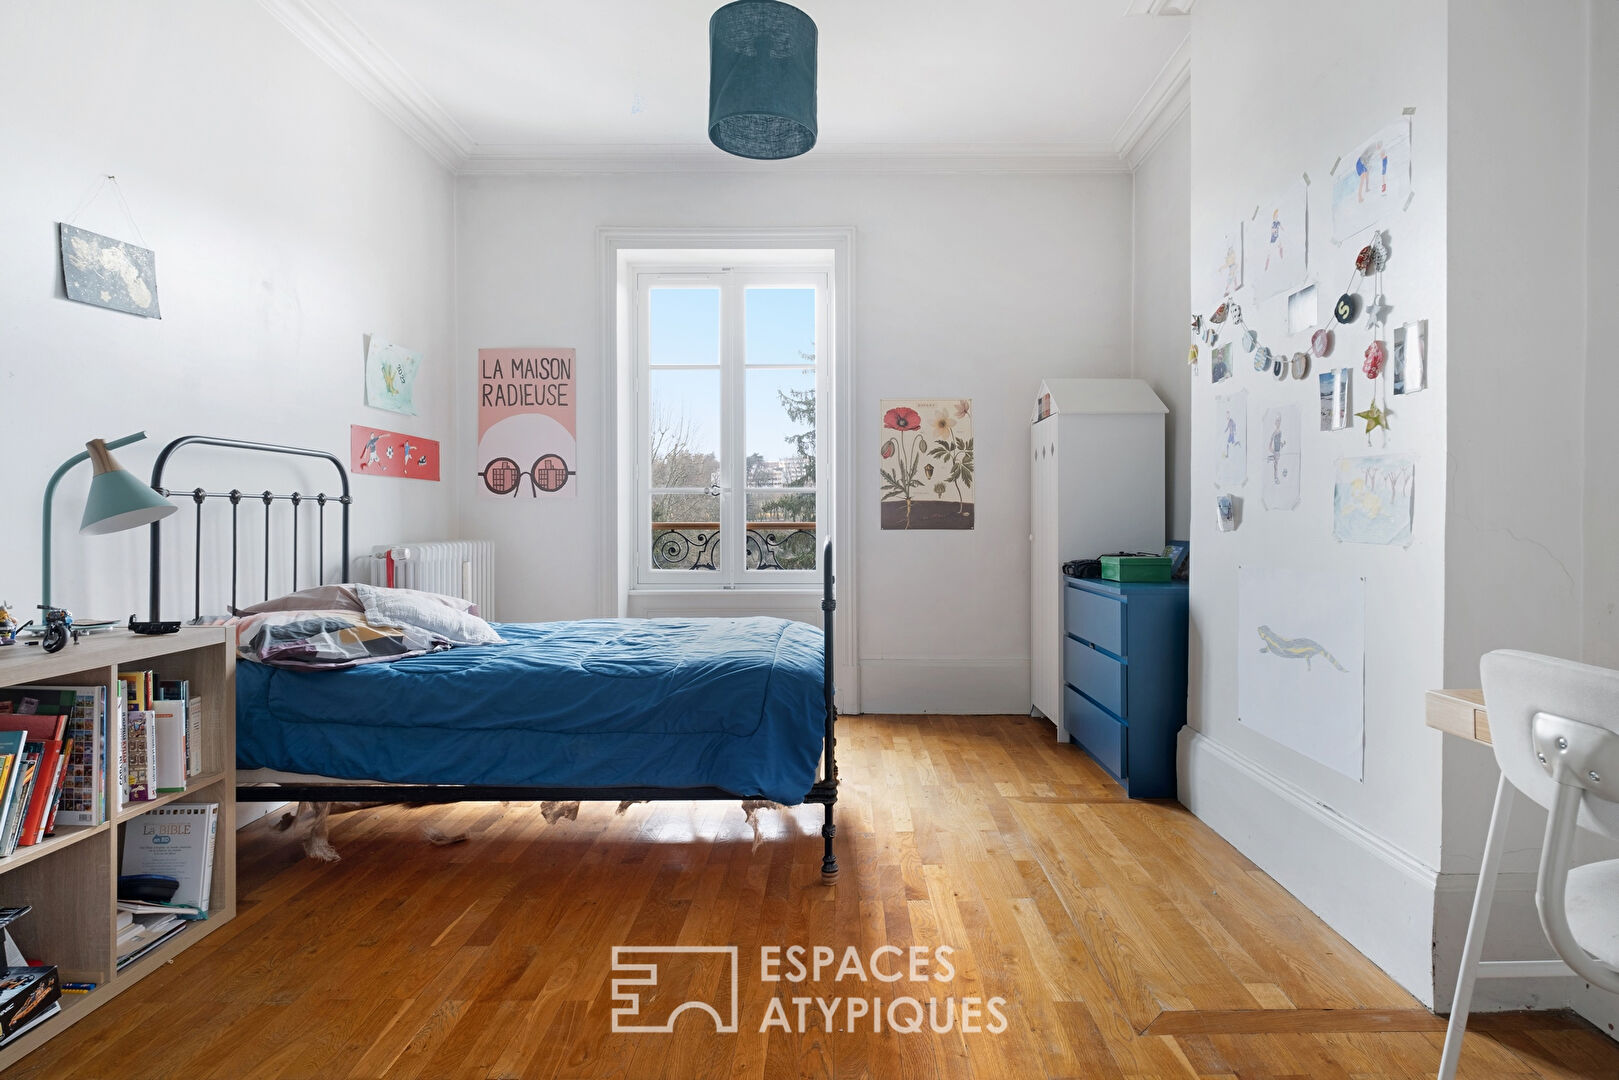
(771, 545)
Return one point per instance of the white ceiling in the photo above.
(488, 84)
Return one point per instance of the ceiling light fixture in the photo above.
(761, 79)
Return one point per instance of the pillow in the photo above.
(326, 640)
(427, 612)
(343, 598)
(314, 598)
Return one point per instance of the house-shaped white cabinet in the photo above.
(1098, 488)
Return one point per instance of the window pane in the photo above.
(780, 325)
(685, 432)
(780, 435)
(685, 532)
(781, 530)
(685, 326)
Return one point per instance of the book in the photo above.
(135, 688)
(143, 943)
(39, 726)
(120, 750)
(36, 700)
(132, 908)
(17, 807)
(45, 737)
(176, 841)
(11, 746)
(194, 716)
(25, 994)
(169, 727)
(179, 690)
(54, 806)
(83, 797)
(140, 748)
(35, 810)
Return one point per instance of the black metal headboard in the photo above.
(198, 496)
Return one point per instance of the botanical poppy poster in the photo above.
(926, 451)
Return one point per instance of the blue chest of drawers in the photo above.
(1124, 678)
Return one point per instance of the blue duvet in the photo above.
(729, 703)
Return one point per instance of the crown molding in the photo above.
(1165, 101)
(334, 37)
(852, 158)
(330, 34)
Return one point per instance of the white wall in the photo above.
(288, 217)
(1532, 501)
(1515, 502)
(1601, 639)
(1161, 303)
(1364, 854)
(972, 286)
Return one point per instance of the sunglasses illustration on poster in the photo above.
(527, 423)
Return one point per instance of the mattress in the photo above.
(735, 704)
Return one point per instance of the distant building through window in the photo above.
(731, 365)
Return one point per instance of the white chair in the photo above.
(1555, 728)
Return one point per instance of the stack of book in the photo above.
(141, 931)
(35, 748)
(56, 775)
(159, 736)
(177, 842)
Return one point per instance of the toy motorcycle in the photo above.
(8, 625)
(58, 627)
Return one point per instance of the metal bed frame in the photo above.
(823, 792)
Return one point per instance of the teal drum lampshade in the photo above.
(761, 79)
(117, 499)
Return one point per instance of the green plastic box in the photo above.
(1135, 567)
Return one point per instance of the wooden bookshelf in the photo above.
(71, 879)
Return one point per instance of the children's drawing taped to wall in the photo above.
(527, 423)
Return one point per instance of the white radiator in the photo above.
(464, 568)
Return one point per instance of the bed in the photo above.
(598, 709)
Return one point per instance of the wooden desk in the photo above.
(1459, 712)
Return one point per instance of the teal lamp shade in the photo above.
(761, 80)
(117, 499)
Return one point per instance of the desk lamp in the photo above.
(117, 500)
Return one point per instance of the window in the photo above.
(731, 363)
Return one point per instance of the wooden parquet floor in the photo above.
(1126, 939)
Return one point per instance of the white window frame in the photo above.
(609, 460)
(732, 283)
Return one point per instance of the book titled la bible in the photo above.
(175, 841)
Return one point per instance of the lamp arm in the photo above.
(45, 518)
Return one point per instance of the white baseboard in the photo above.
(1407, 918)
(1377, 896)
(1514, 934)
(945, 686)
(1597, 1006)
